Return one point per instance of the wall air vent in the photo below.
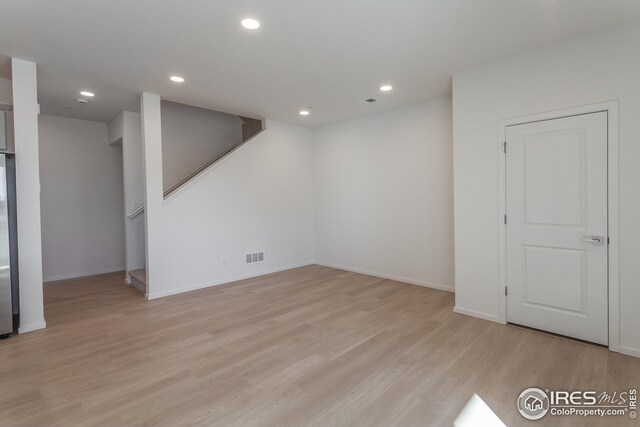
(254, 257)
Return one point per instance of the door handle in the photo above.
(594, 240)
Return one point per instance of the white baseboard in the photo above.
(32, 327)
(156, 295)
(79, 275)
(478, 314)
(629, 351)
(390, 277)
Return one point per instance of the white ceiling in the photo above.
(58, 91)
(324, 54)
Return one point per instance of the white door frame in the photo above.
(611, 107)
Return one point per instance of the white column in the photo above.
(25, 112)
(152, 158)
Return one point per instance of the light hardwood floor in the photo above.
(312, 346)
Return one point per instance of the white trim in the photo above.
(79, 275)
(611, 107)
(613, 215)
(478, 314)
(156, 295)
(134, 213)
(629, 351)
(32, 327)
(390, 277)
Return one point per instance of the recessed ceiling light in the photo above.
(250, 24)
(86, 93)
(82, 101)
(304, 112)
(386, 88)
(176, 79)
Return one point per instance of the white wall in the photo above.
(259, 198)
(115, 129)
(383, 194)
(81, 199)
(588, 70)
(192, 136)
(25, 108)
(6, 96)
(127, 127)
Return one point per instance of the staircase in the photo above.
(216, 135)
(139, 279)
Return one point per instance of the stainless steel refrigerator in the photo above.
(9, 306)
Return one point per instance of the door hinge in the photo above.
(505, 219)
(504, 147)
(506, 292)
(608, 240)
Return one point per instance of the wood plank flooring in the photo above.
(312, 346)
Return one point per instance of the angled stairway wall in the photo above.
(194, 138)
(259, 198)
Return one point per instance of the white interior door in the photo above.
(557, 243)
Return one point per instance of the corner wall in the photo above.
(383, 194)
(258, 198)
(81, 199)
(588, 70)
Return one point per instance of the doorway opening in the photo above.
(86, 233)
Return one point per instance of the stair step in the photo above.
(139, 279)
